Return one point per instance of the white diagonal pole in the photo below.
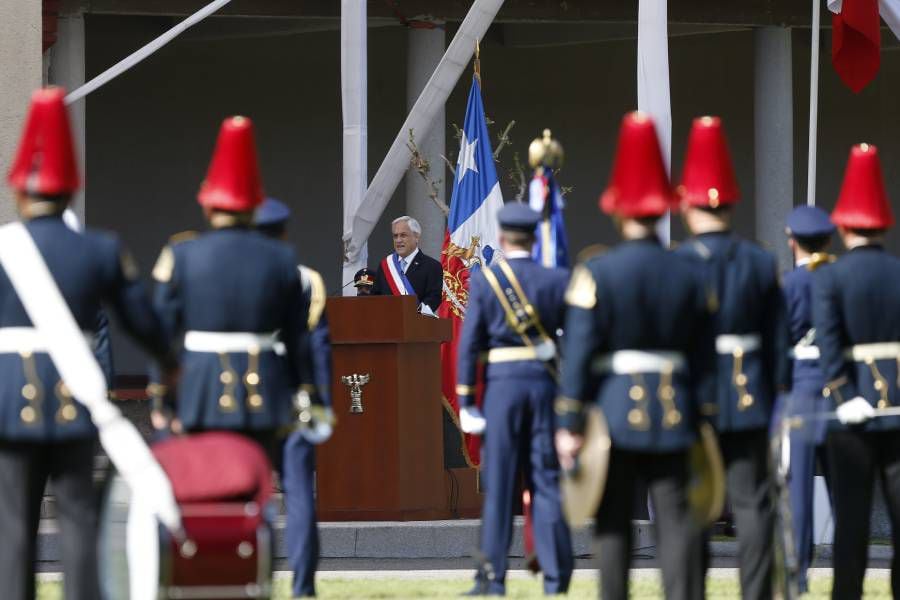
(145, 51)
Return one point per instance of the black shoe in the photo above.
(481, 589)
(482, 585)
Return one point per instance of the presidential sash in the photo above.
(396, 278)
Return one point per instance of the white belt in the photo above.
(876, 351)
(546, 350)
(230, 341)
(731, 343)
(20, 340)
(805, 352)
(628, 362)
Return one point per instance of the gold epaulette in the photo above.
(183, 236)
(165, 264)
(317, 295)
(582, 290)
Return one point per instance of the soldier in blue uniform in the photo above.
(514, 311)
(856, 314)
(44, 433)
(750, 340)
(637, 345)
(809, 233)
(298, 472)
(232, 295)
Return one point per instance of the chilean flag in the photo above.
(551, 248)
(472, 240)
(856, 37)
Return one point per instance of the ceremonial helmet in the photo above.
(863, 202)
(639, 186)
(708, 177)
(45, 162)
(233, 182)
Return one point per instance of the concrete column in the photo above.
(67, 70)
(425, 47)
(774, 138)
(20, 71)
(354, 110)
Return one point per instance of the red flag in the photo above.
(453, 307)
(856, 42)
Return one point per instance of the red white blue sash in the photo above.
(396, 278)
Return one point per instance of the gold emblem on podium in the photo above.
(355, 382)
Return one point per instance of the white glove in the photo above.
(321, 428)
(857, 410)
(471, 420)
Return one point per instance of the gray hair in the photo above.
(413, 224)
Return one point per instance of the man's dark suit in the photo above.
(426, 276)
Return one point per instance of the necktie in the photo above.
(403, 264)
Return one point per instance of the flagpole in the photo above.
(476, 66)
(813, 104)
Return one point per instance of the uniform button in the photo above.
(673, 418)
(635, 417)
(882, 404)
(741, 379)
(29, 391)
(667, 392)
(636, 393)
(68, 412)
(256, 401)
(28, 414)
(252, 378)
(226, 402)
(746, 401)
(879, 385)
(226, 377)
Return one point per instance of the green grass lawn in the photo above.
(405, 588)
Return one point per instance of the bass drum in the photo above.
(223, 485)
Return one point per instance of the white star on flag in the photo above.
(466, 160)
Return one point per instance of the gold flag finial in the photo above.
(545, 151)
(478, 61)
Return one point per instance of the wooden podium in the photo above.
(386, 463)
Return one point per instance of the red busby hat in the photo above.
(233, 182)
(639, 186)
(45, 162)
(863, 203)
(708, 177)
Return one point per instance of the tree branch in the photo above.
(517, 176)
(503, 140)
(418, 162)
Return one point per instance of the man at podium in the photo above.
(407, 270)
